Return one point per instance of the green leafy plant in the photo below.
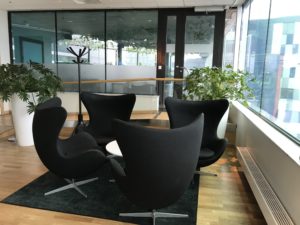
(209, 83)
(24, 80)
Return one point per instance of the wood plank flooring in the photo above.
(223, 200)
(6, 127)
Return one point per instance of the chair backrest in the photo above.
(48, 120)
(182, 112)
(73, 157)
(159, 163)
(52, 102)
(103, 109)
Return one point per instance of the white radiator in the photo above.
(270, 205)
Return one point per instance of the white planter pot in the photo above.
(22, 121)
(223, 124)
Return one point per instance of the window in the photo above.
(33, 38)
(78, 30)
(198, 48)
(292, 72)
(272, 56)
(287, 93)
(289, 39)
(256, 45)
(243, 37)
(229, 37)
(124, 47)
(296, 49)
(288, 116)
(131, 49)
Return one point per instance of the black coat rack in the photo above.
(78, 61)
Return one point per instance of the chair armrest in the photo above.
(78, 144)
(89, 153)
(80, 164)
(85, 139)
(120, 175)
(117, 168)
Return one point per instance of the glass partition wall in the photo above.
(131, 50)
(78, 29)
(123, 45)
(33, 38)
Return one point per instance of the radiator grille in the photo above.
(271, 206)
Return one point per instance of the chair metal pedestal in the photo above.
(73, 184)
(154, 214)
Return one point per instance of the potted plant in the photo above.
(210, 83)
(25, 87)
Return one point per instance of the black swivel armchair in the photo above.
(72, 158)
(159, 164)
(182, 112)
(102, 110)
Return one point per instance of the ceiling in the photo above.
(110, 4)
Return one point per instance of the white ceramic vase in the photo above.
(22, 121)
(223, 125)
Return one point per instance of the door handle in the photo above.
(180, 68)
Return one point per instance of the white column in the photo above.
(237, 37)
(4, 38)
(4, 46)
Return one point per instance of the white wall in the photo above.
(277, 157)
(4, 45)
(4, 38)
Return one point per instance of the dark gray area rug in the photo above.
(105, 200)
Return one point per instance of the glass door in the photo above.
(186, 40)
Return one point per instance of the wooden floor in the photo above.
(6, 127)
(223, 200)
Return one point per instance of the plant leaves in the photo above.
(21, 79)
(209, 83)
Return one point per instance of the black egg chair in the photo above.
(159, 164)
(71, 158)
(182, 112)
(102, 110)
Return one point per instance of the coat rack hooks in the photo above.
(82, 51)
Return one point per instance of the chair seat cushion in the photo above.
(206, 153)
(102, 140)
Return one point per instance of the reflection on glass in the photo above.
(256, 46)
(272, 54)
(131, 49)
(170, 46)
(170, 55)
(33, 38)
(229, 37)
(281, 92)
(199, 40)
(243, 37)
(78, 30)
